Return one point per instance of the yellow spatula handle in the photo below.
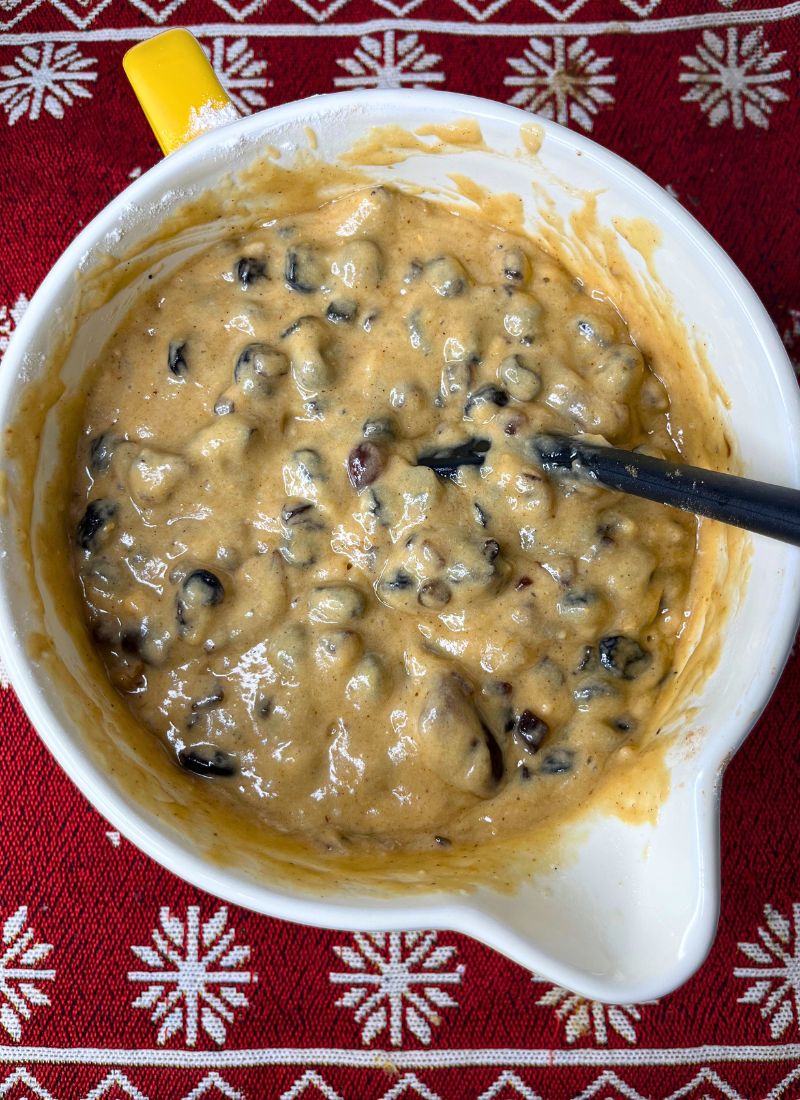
(178, 90)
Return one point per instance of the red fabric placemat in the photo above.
(119, 981)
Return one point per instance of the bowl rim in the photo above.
(465, 914)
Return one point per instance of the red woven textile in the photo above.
(704, 97)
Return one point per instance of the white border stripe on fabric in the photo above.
(419, 26)
(400, 1059)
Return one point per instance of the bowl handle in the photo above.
(177, 89)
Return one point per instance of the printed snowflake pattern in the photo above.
(46, 77)
(10, 317)
(389, 62)
(240, 72)
(20, 973)
(776, 988)
(396, 979)
(562, 80)
(195, 976)
(589, 1019)
(735, 80)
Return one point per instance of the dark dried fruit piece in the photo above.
(298, 513)
(516, 265)
(434, 595)
(95, 524)
(557, 762)
(588, 689)
(486, 395)
(364, 465)
(496, 758)
(414, 272)
(201, 589)
(341, 312)
(446, 276)
(383, 427)
(249, 270)
(257, 365)
(101, 452)
(210, 699)
(176, 358)
(623, 656)
(208, 760)
(624, 723)
(204, 587)
(531, 730)
(300, 270)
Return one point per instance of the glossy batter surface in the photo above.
(318, 557)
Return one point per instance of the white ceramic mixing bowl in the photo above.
(635, 912)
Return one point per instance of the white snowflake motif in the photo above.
(561, 80)
(396, 978)
(44, 77)
(19, 973)
(201, 963)
(734, 80)
(591, 1019)
(240, 72)
(10, 317)
(777, 971)
(389, 62)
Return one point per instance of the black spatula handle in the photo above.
(772, 510)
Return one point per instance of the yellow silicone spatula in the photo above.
(178, 90)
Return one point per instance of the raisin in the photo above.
(257, 363)
(200, 589)
(207, 760)
(383, 427)
(101, 451)
(176, 358)
(531, 730)
(623, 724)
(433, 594)
(446, 276)
(486, 395)
(299, 271)
(364, 465)
(298, 513)
(557, 762)
(341, 312)
(214, 696)
(249, 270)
(96, 522)
(623, 656)
(398, 583)
(515, 265)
